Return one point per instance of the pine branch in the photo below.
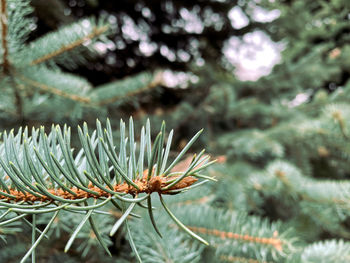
(271, 241)
(39, 175)
(324, 252)
(125, 88)
(67, 46)
(53, 90)
(299, 185)
(325, 202)
(95, 32)
(154, 185)
(237, 234)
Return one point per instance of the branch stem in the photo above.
(3, 21)
(154, 185)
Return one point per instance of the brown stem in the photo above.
(3, 20)
(18, 102)
(272, 241)
(154, 185)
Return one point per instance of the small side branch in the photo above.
(157, 80)
(280, 175)
(339, 118)
(96, 32)
(54, 91)
(3, 22)
(272, 241)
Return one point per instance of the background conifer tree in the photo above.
(34, 86)
(281, 143)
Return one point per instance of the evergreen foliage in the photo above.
(39, 175)
(282, 145)
(166, 33)
(33, 83)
